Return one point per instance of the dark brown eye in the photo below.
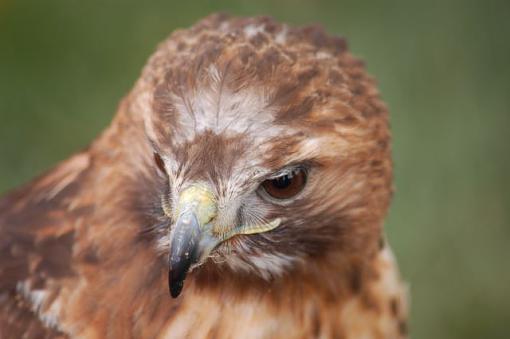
(287, 185)
(159, 162)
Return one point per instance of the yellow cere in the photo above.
(201, 200)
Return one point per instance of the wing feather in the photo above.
(36, 238)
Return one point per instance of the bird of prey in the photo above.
(239, 192)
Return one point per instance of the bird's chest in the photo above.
(207, 318)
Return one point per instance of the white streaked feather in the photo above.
(37, 298)
(251, 30)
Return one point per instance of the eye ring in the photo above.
(286, 185)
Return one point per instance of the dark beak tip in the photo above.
(183, 253)
(175, 285)
(176, 288)
(177, 274)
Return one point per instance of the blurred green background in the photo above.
(443, 68)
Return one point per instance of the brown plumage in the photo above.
(270, 140)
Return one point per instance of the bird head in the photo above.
(271, 147)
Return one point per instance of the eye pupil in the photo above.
(285, 186)
(159, 162)
(282, 182)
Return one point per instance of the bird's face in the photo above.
(267, 161)
(229, 203)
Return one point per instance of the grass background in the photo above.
(442, 67)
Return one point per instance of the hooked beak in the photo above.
(194, 235)
(184, 250)
(191, 238)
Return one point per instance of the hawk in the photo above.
(239, 192)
